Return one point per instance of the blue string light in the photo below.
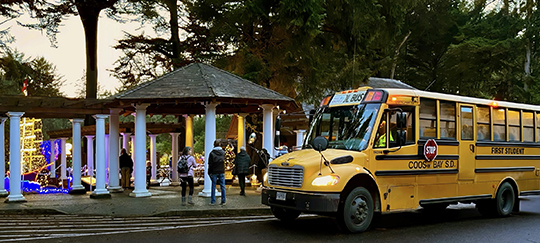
(34, 187)
(46, 150)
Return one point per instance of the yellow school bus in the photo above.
(379, 150)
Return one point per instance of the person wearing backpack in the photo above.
(186, 163)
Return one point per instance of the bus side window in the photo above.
(538, 127)
(466, 123)
(483, 127)
(514, 126)
(448, 119)
(528, 126)
(428, 118)
(499, 124)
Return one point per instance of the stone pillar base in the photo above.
(77, 191)
(4, 193)
(144, 193)
(175, 183)
(15, 199)
(115, 189)
(100, 194)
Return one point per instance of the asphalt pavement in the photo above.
(165, 201)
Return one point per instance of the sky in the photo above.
(70, 55)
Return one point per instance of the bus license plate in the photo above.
(281, 196)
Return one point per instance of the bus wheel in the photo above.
(505, 200)
(501, 206)
(356, 212)
(285, 214)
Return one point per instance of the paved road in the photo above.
(461, 223)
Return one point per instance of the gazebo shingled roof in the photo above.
(184, 91)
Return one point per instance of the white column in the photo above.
(107, 167)
(268, 129)
(15, 194)
(3, 191)
(63, 168)
(90, 155)
(241, 130)
(209, 138)
(52, 159)
(77, 187)
(140, 152)
(174, 160)
(132, 148)
(114, 152)
(100, 191)
(189, 130)
(125, 141)
(299, 137)
(153, 155)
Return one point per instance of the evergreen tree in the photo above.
(40, 75)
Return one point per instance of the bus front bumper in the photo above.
(304, 202)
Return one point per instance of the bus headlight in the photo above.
(328, 180)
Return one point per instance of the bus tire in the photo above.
(285, 214)
(501, 206)
(356, 212)
(505, 200)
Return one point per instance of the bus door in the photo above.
(393, 162)
(467, 145)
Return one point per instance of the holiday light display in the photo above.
(31, 138)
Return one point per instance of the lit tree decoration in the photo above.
(31, 138)
(229, 156)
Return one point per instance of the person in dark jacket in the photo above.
(241, 162)
(126, 167)
(216, 171)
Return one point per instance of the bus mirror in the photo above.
(402, 137)
(320, 143)
(277, 126)
(401, 120)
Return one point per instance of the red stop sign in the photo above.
(430, 149)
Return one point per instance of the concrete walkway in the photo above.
(165, 201)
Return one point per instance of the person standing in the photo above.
(241, 162)
(148, 173)
(187, 177)
(216, 171)
(126, 167)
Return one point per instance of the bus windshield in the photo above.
(345, 127)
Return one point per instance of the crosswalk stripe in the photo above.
(63, 227)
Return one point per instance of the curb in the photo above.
(216, 212)
(33, 211)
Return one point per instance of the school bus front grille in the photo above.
(286, 176)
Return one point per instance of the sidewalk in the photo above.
(165, 201)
